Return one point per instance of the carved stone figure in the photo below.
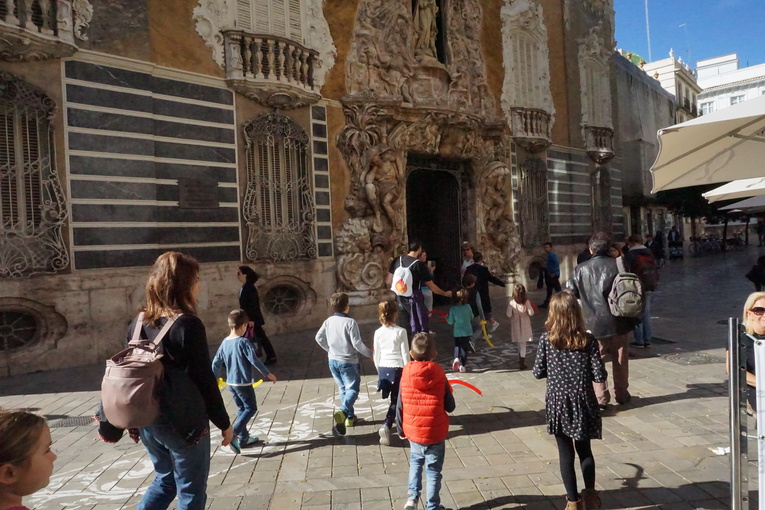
(383, 179)
(83, 14)
(497, 229)
(361, 265)
(425, 28)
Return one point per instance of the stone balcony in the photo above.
(600, 143)
(271, 70)
(33, 30)
(531, 128)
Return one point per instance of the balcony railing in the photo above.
(600, 143)
(36, 29)
(531, 128)
(271, 70)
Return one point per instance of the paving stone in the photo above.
(654, 453)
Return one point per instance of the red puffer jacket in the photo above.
(422, 391)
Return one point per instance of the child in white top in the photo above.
(391, 353)
(519, 309)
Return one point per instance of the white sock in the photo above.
(522, 349)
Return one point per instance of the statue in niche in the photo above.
(381, 176)
(425, 28)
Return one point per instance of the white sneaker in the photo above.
(411, 504)
(385, 435)
(463, 369)
(493, 326)
(456, 365)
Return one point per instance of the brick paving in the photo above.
(654, 453)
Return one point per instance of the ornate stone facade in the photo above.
(213, 17)
(526, 97)
(402, 100)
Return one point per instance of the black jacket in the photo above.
(483, 276)
(591, 282)
(249, 301)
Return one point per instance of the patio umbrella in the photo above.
(722, 146)
(737, 189)
(753, 204)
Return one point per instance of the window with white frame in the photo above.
(278, 203)
(32, 202)
(283, 18)
(737, 99)
(707, 108)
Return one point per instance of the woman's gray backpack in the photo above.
(626, 296)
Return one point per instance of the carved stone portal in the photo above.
(402, 100)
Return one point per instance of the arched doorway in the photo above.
(435, 192)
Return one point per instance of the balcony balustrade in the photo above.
(36, 30)
(600, 143)
(271, 70)
(531, 128)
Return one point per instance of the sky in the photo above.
(699, 28)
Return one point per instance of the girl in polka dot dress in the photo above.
(568, 357)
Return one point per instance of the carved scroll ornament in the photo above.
(497, 234)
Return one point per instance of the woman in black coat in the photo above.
(249, 301)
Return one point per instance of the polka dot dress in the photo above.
(571, 406)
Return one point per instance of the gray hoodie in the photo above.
(341, 338)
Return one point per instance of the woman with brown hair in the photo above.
(178, 443)
(568, 357)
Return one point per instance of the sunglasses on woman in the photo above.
(758, 311)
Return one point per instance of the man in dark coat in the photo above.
(483, 276)
(591, 282)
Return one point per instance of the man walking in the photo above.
(552, 278)
(591, 282)
(412, 312)
(640, 260)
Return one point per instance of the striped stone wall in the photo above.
(130, 137)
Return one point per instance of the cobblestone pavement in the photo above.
(655, 451)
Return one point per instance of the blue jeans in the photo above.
(244, 397)
(181, 468)
(348, 381)
(643, 332)
(432, 457)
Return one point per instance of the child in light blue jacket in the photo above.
(237, 356)
(461, 316)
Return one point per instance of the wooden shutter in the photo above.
(279, 18)
(262, 16)
(296, 20)
(7, 170)
(244, 15)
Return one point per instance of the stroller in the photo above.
(675, 250)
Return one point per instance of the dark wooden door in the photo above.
(433, 214)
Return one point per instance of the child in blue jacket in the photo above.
(237, 356)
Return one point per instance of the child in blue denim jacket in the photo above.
(237, 356)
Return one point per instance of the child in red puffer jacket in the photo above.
(424, 399)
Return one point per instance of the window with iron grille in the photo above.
(283, 18)
(278, 203)
(32, 202)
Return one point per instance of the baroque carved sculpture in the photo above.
(425, 28)
(497, 234)
(393, 86)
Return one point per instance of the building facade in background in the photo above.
(310, 139)
(725, 83)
